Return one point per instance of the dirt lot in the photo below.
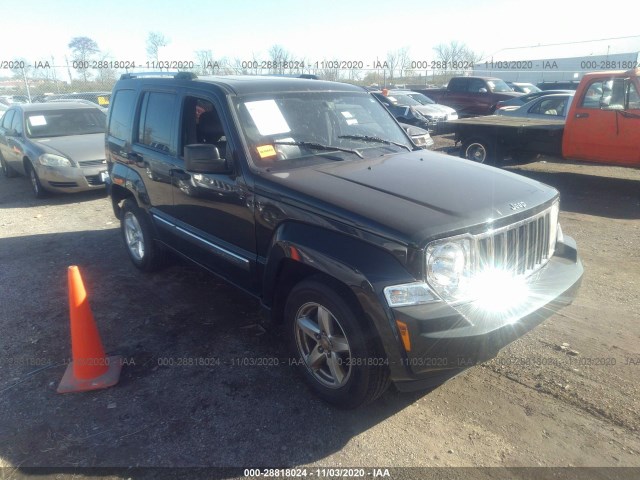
(565, 395)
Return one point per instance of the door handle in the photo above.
(136, 158)
(582, 115)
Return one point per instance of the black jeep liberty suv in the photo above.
(382, 262)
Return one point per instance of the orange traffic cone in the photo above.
(90, 368)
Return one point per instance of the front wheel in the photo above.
(330, 347)
(138, 237)
(36, 185)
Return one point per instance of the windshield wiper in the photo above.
(319, 146)
(369, 138)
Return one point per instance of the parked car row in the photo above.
(99, 98)
(59, 144)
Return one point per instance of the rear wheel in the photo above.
(7, 171)
(138, 237)
(329, 345)
(479, 150)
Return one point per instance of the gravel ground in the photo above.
(564, 395)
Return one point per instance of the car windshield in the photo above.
(293, 129)
(528, 88)
(60, 123)
(498, 86)
(422, 99)
(402, 99)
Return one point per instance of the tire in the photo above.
(137, 234)
(36, 185)
(478, 150)
(6, 169)
(345, 370)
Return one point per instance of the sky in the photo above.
(313, 30)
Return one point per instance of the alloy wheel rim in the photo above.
(323, 345)
(133, 236)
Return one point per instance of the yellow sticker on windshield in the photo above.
(266, 151)
(103, 101)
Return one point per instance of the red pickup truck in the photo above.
(472, 96)
(602, 125)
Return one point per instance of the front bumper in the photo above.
(447, 339)
(71, 179)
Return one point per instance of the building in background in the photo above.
(561, 62)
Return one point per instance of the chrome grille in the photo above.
(521, 248)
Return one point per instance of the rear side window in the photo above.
(156, 121)
(16, 125)
(121, 110)
(6, 120)
(457, 85)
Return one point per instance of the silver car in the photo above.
(547, 106)
(437, 114)
(428, 106)
(59, 146)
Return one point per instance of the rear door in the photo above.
(605, 125)
(154, 149)
(6, 140)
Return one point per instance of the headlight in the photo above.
(51, 160)
(449, 267)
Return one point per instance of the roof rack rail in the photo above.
(176, 75)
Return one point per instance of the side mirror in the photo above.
(482, 90)
(203, 158)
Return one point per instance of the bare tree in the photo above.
(404, 61)
(392, 63)
(82, 51)
(66, 61)
(155, 40)
(455, 56)
(330, 70)
(206, 63)
(21, 70)
(44, 70)
(278, 56)
(106, 74)
(235, 67)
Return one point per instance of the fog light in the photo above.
(498, 291)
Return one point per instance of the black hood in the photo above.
(409, 197)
